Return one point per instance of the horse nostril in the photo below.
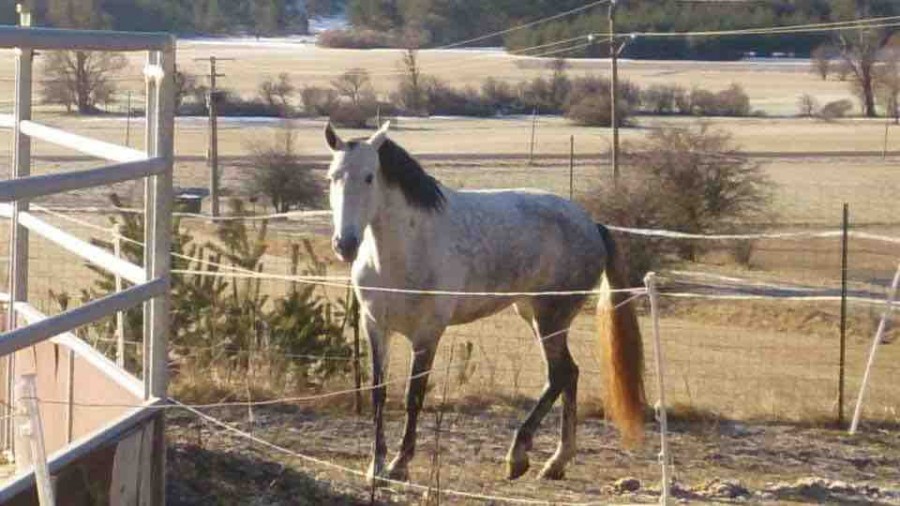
(349, 243)
(346, 246)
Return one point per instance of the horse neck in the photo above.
(391, 228)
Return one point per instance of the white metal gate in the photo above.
(151, 282)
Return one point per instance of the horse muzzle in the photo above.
(346, 247)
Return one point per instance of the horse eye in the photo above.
(370, 178)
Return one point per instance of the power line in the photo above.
(882, 22)
(524, 26)
(481, 59)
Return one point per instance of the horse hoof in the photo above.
(552, 472)
(516, 468)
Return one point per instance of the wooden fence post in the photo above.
(845, 241)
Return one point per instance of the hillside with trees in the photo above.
(437, 22)
(212, 17)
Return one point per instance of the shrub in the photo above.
(660, 99)
(231, 104)
(702, 102)
(593, 111)
(357, 39)
(634, 203)
(589, 102)
(732, 101)
(282, 177)
(807, 105)
(683, 104)
(447, 101)
(318, 101)
(548, 96)
(707, 182)
(502, 97)
(348, 115)
(691, 180)
(836, 109)
(277, 93)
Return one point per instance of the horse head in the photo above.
(354, 195)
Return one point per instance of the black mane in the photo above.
(400, 169)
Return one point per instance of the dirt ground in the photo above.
(715, 460)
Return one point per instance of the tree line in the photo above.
(260, 17)
(436, 22)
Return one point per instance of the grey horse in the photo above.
(425, 257)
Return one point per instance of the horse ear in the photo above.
(331, 137)
(380, 136)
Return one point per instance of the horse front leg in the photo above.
(378, 347)
(423, 358)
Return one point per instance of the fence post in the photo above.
(357, 369)
(295, 262)
(664, 458)
(571, 167)
(534, 114)
(32, 432)
(120, 315)
(879, 335)
(158, 195)
(128, 122)
(845, 238)
(614, 91)
(18, 235)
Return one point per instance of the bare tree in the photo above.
(860, 50)
(808, 105)
(354, 85)
(820, 60)
(80, 80)
(560, 86)
(186, 86)
(412, 86)
(277, 93)
(887, 83)
(281, 175)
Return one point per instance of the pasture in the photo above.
(752, 384)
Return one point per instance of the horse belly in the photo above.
(469, 309)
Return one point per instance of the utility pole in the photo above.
(212, 105)
(614, 92)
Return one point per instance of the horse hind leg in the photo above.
(550, 321)
(554, 469)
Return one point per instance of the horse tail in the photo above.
(621, 348)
